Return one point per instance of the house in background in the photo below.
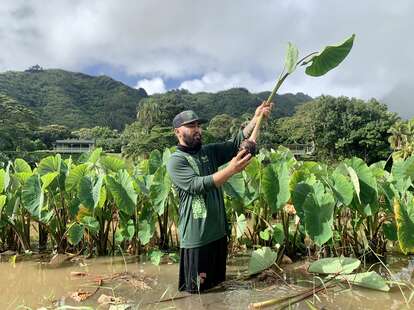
(73, 146)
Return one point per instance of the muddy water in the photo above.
(33, 284)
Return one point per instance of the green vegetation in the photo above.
(292, 207)
(73, 99)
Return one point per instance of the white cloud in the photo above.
(152, 86)
(223, 42)
(215, 81)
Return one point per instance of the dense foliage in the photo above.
(73, 99)
(99, 204)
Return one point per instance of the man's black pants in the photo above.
(203, 267)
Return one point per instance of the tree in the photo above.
(339, 127)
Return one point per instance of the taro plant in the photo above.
(318, 64)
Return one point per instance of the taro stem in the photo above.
(255, 133)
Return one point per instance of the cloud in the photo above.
(203, 44)
(152, 86)
(215, 81)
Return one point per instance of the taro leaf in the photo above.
(33, 196)
(2, 202)
(145, 232)
(112, 163)
(160, 188)
(318, 211)
(235, 187)
(23, 176)
(402, 169)
(20, 165)
(329, 58)
(89, 193)
(355, 181)
(261, 259)
(342, 188)
(367, 182)
(291, 59)
(93, 158)
(240, 225)
(48, 178)
(166, 156)
(275, 184)
(370, 280)
(264, 234)
(127, 231)
(253, 168)
(2, 176)
(123, 191)
(404, 218)
(278, 234)
(50, 164)
(74, 177)
(302, 190)
(156, 256)
(90, 223)
(333, 265)
(390, 231)
(154, 161)
(75, 233)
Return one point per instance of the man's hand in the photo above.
(240, 161)
(265, 108)
(237, 164)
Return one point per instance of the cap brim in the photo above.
(200, 120)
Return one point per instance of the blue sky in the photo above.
(215, 45)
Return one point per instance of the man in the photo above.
(203, 228)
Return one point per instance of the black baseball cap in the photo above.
(187, 117)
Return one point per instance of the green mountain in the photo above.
(77, 100)
(73, 99)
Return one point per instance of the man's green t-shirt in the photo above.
(201, 210)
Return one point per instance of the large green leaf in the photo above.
(112, 163)
(126, 230)
(50, 164)
(404, 218)
(329, 58)
(94, 156)
(20, 165)
(145, 232)
(302, 190)
(291, 59)
(235, 187)
(74, 176)
(33, 196)
(156, 256)
(261, 259)
(367, 182)
(318, 212)
(90, 223)
(342, 188)
(48, 178)
(2, 202)
(75, 233)
(370, 280)
(333, 265)
(402, 169)
(154, 161)
(90, 191)
(2, 175)
(122, 190)
(160, 188)
(275, 184)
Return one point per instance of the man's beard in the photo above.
(192, 141)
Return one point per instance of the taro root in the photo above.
(249, 146)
